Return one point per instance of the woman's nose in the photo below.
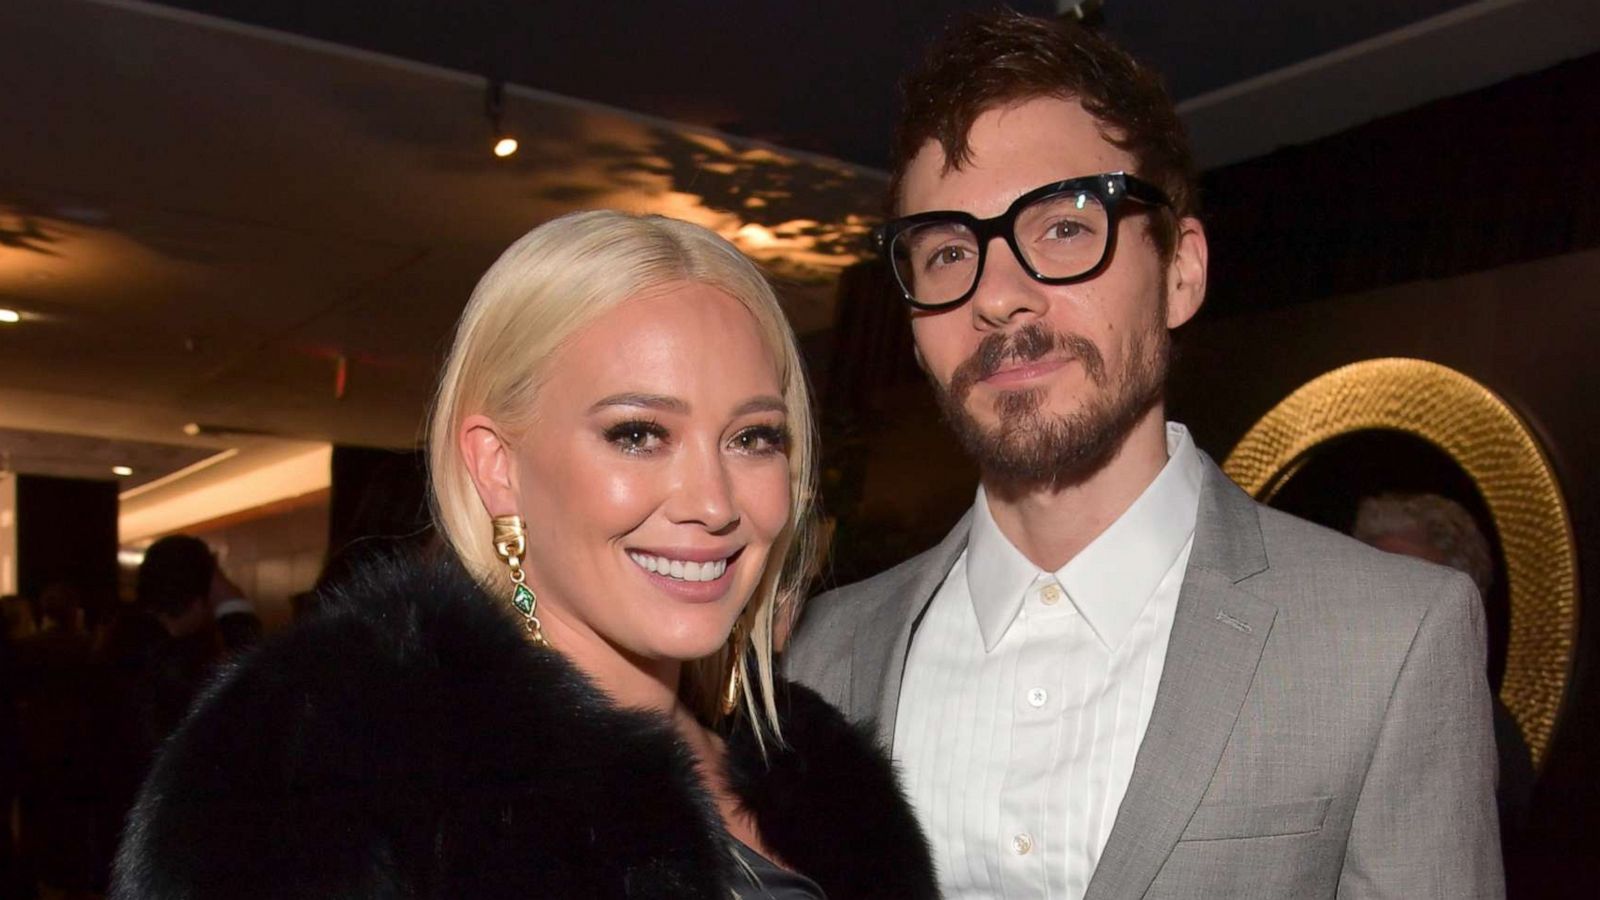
(704, 492)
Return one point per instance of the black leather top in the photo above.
(771, 881)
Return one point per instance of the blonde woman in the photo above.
(580, 702)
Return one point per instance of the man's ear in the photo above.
(1186, 276)
(490, 463)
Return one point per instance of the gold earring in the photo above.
(510, 542)
(731, 693)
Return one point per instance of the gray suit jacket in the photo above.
(1322, 726)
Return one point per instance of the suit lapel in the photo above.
(879, 659)
(1217, 637)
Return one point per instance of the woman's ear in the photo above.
(490, 463)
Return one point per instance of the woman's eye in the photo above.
(760, 440)
(636, 437)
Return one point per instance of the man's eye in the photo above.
(948, 255)
(1066, 229)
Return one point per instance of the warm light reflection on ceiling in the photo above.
(805, 219)
(755, 236)
(53, 254)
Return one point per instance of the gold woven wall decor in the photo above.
(1498, 452)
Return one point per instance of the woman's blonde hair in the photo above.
(546, 287)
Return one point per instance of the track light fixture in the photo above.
(505, 143)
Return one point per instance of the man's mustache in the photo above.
(1024, 345)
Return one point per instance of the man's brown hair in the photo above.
(999, 58)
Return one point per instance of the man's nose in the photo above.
(1006, 294)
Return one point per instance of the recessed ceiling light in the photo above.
(123, 471)
(10, 316)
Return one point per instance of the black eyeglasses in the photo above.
(1061, 233)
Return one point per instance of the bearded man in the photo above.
(1118, 676)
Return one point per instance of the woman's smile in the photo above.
(684, 565)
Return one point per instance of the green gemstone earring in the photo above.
(510, 542)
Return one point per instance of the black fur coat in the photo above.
(409, 742)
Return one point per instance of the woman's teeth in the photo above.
(679, 569)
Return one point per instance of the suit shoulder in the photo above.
(1334, 568)
(861, 596)
(882, 586)
(831, 622)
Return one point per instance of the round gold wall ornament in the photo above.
(1498, 452)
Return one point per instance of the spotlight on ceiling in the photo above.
(494, 107)
(122, 471)
(1090, 13)
(9, 317)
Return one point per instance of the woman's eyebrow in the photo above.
(648, 401)
(767, 403)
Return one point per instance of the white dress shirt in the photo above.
(1026, 693)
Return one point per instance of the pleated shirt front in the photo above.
(1026, 693)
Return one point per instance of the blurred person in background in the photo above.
(13, 881)
(19, 617)
(154, 658)
(238, 624)
(58, 802)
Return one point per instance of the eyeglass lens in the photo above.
(1059, 235)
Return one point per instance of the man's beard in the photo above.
(1029, 446)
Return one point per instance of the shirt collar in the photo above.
(1109, 581)
(998, 575)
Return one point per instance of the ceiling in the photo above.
(204, 223)
(93, 458)
(210, 209)
(820, 76)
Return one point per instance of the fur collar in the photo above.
(408, 742)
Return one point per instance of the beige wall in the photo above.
(275, 555)
(8, 533)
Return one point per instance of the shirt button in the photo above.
(1037, 697)
(1022, 843)
(1050, 596)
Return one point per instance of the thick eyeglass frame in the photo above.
(1110, 188)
